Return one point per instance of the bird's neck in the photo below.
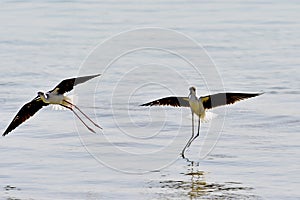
(193, 96)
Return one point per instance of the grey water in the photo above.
(254, 47)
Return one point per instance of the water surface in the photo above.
(255, 46)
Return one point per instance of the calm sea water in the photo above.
(255, 46)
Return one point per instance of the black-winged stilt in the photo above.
(200, 105)
(55, 96)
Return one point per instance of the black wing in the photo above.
(170, 101)
(28, 110)
(68, 84)
(220, 99)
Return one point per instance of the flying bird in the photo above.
(199, 106)
(55, 96)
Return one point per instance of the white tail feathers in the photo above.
(208, 116)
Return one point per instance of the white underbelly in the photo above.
(55, 99)
(197, 108)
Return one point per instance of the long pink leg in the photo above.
(80, 118)
(198, 133)
(83, 114)
(191, 139)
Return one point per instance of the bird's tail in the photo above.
(208, 116)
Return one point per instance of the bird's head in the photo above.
(192, 91)
(43, 97)
(40, 94)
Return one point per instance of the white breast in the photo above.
(197, 106)
(55, 99)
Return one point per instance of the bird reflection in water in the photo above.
(193, 185)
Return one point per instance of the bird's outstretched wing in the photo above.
(68, 84)
(220, 99)
(28, 110)
(169, 101)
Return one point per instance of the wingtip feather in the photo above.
(145, 104)
(5, 133)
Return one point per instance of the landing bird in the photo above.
(55, 96)
(200, 105)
